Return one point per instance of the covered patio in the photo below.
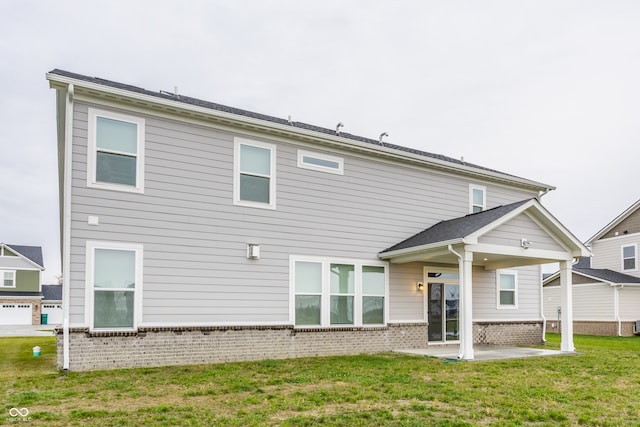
(485, 352)
(519, 234)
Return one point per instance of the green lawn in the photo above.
(599, 387)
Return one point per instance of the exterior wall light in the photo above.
(420, 286)
(525, 243)
(253, 251)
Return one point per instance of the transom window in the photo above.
(477, 198)
(116, 151)
(507, 288)
(114, 283)
(629, 257)
(320, 162)
(8, 278)
(338, 293)
(254, 177)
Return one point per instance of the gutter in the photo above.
(66, 224)
(544, 319)
(94, 89)
(616, 304)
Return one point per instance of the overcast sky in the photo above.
(545, 90)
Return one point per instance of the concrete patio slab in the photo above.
(484, 352)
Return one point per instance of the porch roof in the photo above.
(551, 241)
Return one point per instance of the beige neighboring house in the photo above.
(606, 288)
(20, 290)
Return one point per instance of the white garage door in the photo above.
(53, 312)
(15, 314)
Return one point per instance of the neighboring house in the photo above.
(606, 288)
(20, 292)
(194, 233)
(52, 303)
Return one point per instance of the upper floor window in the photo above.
(629, 257)
(115, 151)
(8, 278)
(507, 288)
(114, 283)
(477, 198)
(338, 292)
(254, 174)
(320, 162)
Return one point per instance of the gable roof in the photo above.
(456, 228)
(60, 78)
(583, 268)
(624, 215)
(31, 253)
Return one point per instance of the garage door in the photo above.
(15, 314)
(53, 312)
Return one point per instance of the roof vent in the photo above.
(338, 126)
(382, 135)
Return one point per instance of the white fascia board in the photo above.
(613, 223)
(516, 251)
(35, 264)
(416, 249)
(56, 81)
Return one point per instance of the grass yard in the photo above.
(600, 387)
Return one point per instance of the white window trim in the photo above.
(89, 289)
(484, 196)
(301, 163)
(236, 173)
(92, 150)
(325, 299)
(635, 254)
(515, 293)
(2, 276)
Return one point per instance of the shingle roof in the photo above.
(456, 228)
(607, 275)
(52, 292)
(245, 113)
(34, 253)
(20, 294)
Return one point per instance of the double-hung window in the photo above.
(115, 151)
(629, 258)
(254, 174)
(334, 293)
(114, 285)
(507, 288)
(8, 278)
(477, 198)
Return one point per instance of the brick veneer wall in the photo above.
(507, 333)
(182, 346)
(603, 328)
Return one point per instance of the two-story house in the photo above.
(194, 232)
(20, 289)
(606, 287)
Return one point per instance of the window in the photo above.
(629, 258)
(507, 289)
(477, 198)
(320, 162)
(338, 292)
(114, 285)
(115, 151)
(254, 174)
(8, 278)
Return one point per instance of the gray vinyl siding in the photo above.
(607, 253)
(522, 226)
(629, 303)
(594, 301)
(406, 303)
(485, 301)
(195, 266)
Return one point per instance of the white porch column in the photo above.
(466, 299)
(566, 307)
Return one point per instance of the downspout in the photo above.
(66, 227)
(544, 319)
(616, 305)
(460, 274)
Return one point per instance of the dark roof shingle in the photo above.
(34, 253)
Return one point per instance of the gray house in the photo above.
(193, 232)
(20, 289)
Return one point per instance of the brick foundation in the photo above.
(183, 346)
(605, 328)
(507, 333)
